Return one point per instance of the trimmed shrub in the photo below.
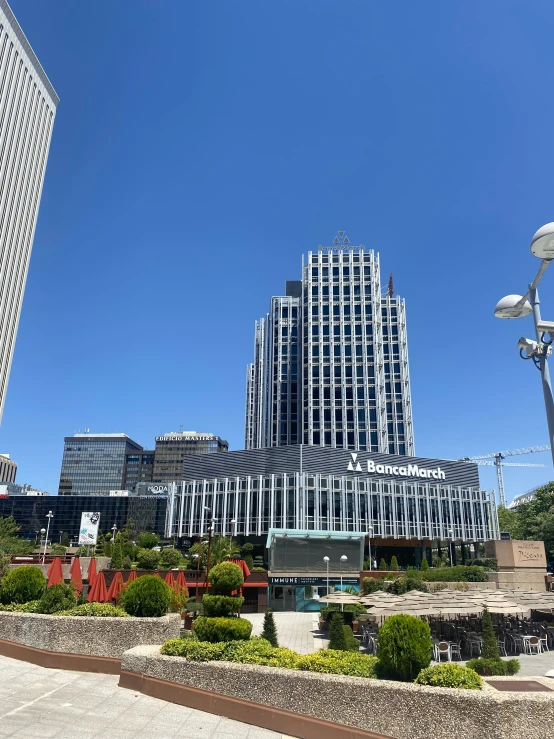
(58, 550)
(354, 608)
(103, 610)
(371, 585)
(424, 564)
(57, 598)
(337, 637)
(489, 563)
(148, 559)
(127, 564)
(179, 598)
(339, 663)
(117, 553)
(405, 647)
(383, 564)
(494, 666)
(148, 540)
(193, 650)
(222, 629)
(147, 596)
(65, 540)
(490, 648)
(352, 644)
(226, 577)
(269, 631)
(450, 676)
(30, 607)
(221, 605)
(170, 558)
(411, 581)
(394, 563)
(246, 554)
(22, 585)
(459, 573)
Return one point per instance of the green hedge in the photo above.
(22, 585)
(147, 596)
(222, 629)
(95, 609)
(405, 646)
(450, 676)
(494, 666)
(57, 598)
(489, 563)
(225, 578)
(30, 607)
(258, 651)
(459, 573)
(372, 585)
(221, 605)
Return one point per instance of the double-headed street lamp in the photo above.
(520, 306)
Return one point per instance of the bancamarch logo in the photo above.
(411, 470)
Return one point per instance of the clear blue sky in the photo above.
(200, 148)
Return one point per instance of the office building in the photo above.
(94, 464)
(27, 110)
(139, 467)
(406, 503)
(8, 468)
(173, 448)
(331, 360)
(11, 488)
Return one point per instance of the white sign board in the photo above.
(88, 533)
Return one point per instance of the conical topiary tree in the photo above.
(383, 564)
(394, 564)
(490, 645)
(424, 564)
(117, 554)
(337, 638)
(270, 629)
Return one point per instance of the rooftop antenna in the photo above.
(390, 291)
(180, 428)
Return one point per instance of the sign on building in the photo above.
(88, 533)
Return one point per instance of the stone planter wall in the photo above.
(84, 635)
(400, 710)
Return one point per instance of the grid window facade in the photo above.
(173, 448)
(27, 110)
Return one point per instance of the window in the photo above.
(315, 330)
(314, 272)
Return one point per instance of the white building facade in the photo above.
(331, 360)
(27, 110)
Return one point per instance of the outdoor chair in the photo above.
(502, 646)
(543, 638)
(441, 648)
(455, 650)
(534, 645)
(517, 642)
(473, 645)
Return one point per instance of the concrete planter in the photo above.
(356, 707)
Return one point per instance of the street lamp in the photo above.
(49, 516)
(516, 306)
(451, 546)
(42, 532)
(61, 534)
(326, 560)
(114, 529)
(233, 522)
(369, 530)
(342, 559)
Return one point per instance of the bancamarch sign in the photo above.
(409, 470)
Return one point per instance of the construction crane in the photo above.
(497, 460)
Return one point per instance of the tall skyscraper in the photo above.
(27, 110)
(331, 360)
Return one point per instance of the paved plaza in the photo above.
(58, 704)
(298, 631)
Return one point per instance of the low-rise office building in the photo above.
(406, 504)
(8, 468)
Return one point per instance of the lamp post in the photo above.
(49, 516)
(342, 559)
(42, 532)
(369, 530)
(517, 306)
(326, 560)
(232, 523)
(113, 529)
(451, 546)
(61, 534)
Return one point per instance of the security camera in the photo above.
(528, 346)
(546, 327)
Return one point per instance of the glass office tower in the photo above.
(331, 360)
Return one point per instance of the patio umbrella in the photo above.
(131, 576)
(170, 580)
(243, 566)
(91, 573)
(75, 575)
(55, 574)
(116, 587)
(336, 598)
(180, 581)
(98, 593)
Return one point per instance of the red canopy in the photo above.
(116, 587)
(132, 576)
(180, 581)
(170, 580)
(91, 574)
(55, 574)
(243, 566)
(75, 575)
(98, 592)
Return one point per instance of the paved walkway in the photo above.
(298, 631)
(58, 704)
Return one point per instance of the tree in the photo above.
(246, 553)
(222, 549)
(65, 540)
(490, 645)
(117, 554)
(148, 540)
(170, 558)
(394, 564)
(508, 520)
(383, 564)
(337, 637)
(148, 559)
(4, 565)
(270, 629)
(424, 564)
(8, 527)
(225, 578)
(405, 646)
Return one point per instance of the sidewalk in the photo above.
(298, 631)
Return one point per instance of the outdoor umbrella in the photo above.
(75, 575)
(91, 573)
(180, 581)
(55, 574)
(170, 580)
(131, 576)
(116, 587)
(98, 592)
(342, 598)
(243, 566)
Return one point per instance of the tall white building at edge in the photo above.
(27, 110)
(331, 360)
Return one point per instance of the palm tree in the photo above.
(223, 549)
